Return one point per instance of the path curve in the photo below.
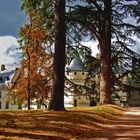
(126, 127)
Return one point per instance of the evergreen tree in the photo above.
(105, 21)
(57, 96)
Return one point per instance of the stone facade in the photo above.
(5, 101)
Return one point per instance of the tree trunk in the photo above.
(57, 96)
(28, 80)
(105, 76)
(105, 46)
(38, 104)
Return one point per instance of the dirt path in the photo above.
(126, 127)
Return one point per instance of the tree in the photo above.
(105, 21)
(34, 75)
(103, 35)
(46, 9)
(57, 96)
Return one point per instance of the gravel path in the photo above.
(126, 127)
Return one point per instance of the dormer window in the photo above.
(1, 80)
(7, 78)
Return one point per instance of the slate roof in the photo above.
(6, 75)
(76, 64)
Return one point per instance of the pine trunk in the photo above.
(105, 46)
(105, 76)
(57, 96)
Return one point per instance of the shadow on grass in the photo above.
(33, 136)
(72, 124)
(68, 124)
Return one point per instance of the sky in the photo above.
(11, 18)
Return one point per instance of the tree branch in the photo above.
(96, 5)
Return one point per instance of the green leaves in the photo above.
(30, 4)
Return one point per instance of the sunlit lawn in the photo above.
(75, 123)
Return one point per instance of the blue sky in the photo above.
(11, 18)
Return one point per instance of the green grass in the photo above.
(75, 123)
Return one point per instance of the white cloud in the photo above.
(136, 48)
(93, 46)
(9, 54)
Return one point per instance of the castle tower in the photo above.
(75, 72)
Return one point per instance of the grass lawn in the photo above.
(73, 124)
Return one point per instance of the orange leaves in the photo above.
(35, 74)
(34, 31)
(37, 34)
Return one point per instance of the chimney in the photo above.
(98, 56)
(3, 67)
(16, 69)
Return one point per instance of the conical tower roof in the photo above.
(76, 64)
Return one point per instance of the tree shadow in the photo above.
(73, 124)
(33, 136)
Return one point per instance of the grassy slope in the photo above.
(76, 123)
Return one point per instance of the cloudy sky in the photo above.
(11, 18)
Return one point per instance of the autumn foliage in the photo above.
(33, 79)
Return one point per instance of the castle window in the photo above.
(7, 78)
(75, 73)
(7, 105)
(83, 73)
(0, 94)
(129, 95)
(75, 103)
(1, 80)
